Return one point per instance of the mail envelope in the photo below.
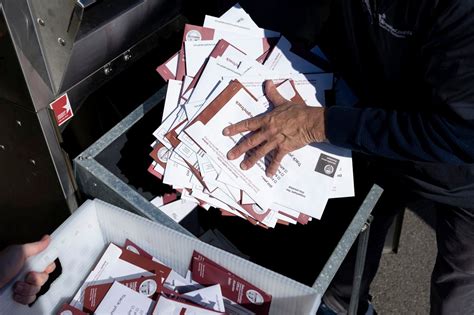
(169, 306)
(238, 290)
(150, 287)
(120, 299)
(117, 262)
(169, 68)
(200, 33)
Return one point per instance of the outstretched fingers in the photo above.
(276, 161)
(251, 124)
(259, 153)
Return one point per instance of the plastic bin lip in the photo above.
(90, 174)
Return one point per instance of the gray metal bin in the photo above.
(99, 176)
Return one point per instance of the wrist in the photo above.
(318, 125)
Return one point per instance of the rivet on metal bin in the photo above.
(2, 147)
(365, 227)
(18, 123)
(61, 41)
(40, 21)
(367, 224)
(107, 69)
(127, 56)
(33, 162)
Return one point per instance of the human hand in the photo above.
(12, 260)
(288, 127)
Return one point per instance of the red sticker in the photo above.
(62, 109)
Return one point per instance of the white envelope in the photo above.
(305, 192)
(197, 52)
(110, 266)
(246, 200)
(210, 138)
(231, 188)
(283, 60)
(158, 170)
(311, 87)
(166, 306)
(210, 298)
(176, 174)
(225, 25)
(173, 94)
(216, 203)
(173, 119)
(186, 196)
(257, 46)
(186, 91)
(231, 64)
(344, 179)
(271, 219)
(188, 152)
(194, 108)
(178, 209)
(169, 68)
(223, 196)
(120, 299)
(208, 171)
(237, 15)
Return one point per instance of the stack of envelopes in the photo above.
(128, 280)
(217, 79)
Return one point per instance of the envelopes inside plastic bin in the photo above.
(80, 241)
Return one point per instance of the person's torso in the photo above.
(376, 45)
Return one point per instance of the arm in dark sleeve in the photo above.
(443, 134)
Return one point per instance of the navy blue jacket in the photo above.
(411, 63)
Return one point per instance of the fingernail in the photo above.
(225, 132)
(243, 166)
(230, 156)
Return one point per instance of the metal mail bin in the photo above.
(114, 170)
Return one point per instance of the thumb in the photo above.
(32, 249)
(273, 95)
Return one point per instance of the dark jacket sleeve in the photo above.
(445, 132)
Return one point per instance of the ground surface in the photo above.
(402, 285)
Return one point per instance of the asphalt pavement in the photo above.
(402, 284)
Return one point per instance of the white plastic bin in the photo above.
(80, 241)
